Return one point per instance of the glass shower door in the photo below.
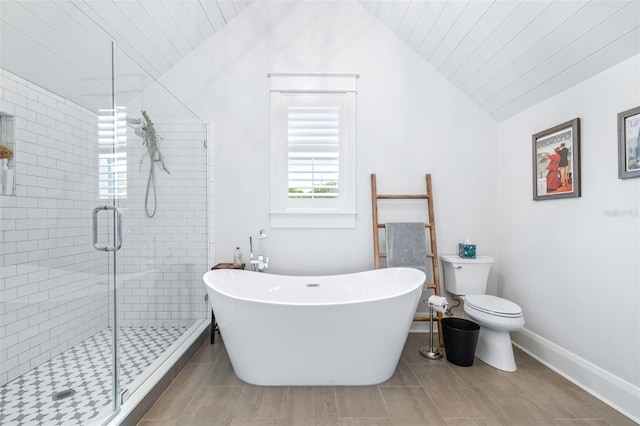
(162, 196)
(107, 223)
(113, 228)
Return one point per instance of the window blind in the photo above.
(313, 140)
(112, 154)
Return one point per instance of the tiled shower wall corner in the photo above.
(164, 257)
(7, 125)
(52, 291)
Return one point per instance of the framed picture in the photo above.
(628, 141)
(556, 162)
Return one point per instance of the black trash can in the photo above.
(460, 339)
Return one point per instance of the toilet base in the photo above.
(494, 348)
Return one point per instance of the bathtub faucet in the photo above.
(262, 262)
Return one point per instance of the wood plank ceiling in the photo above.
(65, 45)
(506, 55)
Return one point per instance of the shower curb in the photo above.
(136, 414)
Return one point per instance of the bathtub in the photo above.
(315, 330)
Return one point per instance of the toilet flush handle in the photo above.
(457, 267)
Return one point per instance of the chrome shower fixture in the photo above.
(262, 262)
(137, 125)
(144, 128)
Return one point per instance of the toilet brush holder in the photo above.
(429, 351)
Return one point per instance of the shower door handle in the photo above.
(118, 237)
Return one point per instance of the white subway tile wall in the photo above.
(54, 289)
(53, 286)
(164, 257)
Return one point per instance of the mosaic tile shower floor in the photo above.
(85, 368)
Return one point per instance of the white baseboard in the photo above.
(612, 390)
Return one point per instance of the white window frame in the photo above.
(290, 213)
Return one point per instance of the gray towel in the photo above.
(406, 245)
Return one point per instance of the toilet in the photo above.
(497, 317)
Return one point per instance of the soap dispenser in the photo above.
(237, 256)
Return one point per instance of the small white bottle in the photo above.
(8, 182)
(237, 256)
(7, 178)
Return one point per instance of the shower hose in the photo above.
(151, 186)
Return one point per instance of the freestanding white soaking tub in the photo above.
(317, 330)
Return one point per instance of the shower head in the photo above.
(138, 126)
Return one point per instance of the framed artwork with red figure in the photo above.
(628, 141)
(556, 162)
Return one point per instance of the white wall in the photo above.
(573, 264)
(411, 121)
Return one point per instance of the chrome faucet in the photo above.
(262, 262)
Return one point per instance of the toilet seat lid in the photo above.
(493, 305)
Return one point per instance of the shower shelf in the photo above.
(7, 131)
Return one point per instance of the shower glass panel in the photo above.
(70, 313)
(57, 357)
(165, 223)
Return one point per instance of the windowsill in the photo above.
(313, 218)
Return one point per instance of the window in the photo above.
(313, 150)
(112, 153)
(313, 146)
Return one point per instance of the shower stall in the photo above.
(98, 297)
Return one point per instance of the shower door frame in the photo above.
(116, 395)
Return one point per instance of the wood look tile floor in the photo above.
(421, 392)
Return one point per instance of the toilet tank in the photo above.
(466, 276)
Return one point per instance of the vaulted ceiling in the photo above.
(509, 55)
(65, 45)
(506, 55)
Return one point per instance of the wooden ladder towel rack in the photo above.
(430, 225)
